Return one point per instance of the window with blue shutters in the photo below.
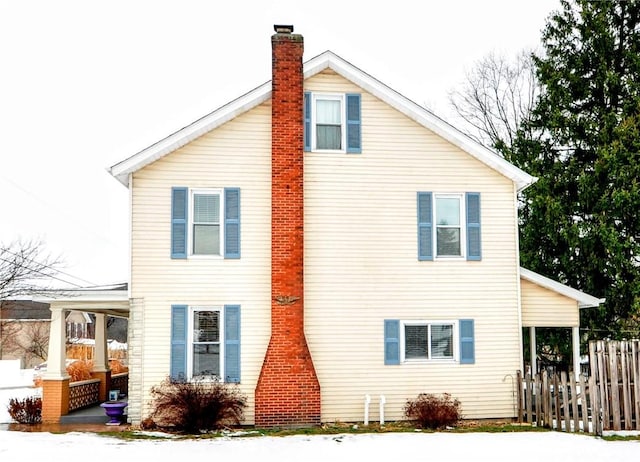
(332, 122)
(449, 226)
(407, 341)
(205, 222)
(205, 343)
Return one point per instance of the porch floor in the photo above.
(89, 415)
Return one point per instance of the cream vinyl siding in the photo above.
(542, 307)
(236, 154)
(361, 268)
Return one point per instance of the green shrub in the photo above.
(195, 406)
(432, 411)
(27, 410)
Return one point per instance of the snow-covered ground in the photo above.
(523, 447)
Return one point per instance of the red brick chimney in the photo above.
(288, 391)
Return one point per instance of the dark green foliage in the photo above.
(579, 222)
(195, 406)
(433, 411)
(27, 410)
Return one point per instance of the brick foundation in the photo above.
(288, 391)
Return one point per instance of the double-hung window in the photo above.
(449, 232)
(332, 122)
(205, 222)
(329, 134)
(449, 226)
(433, 340)
(205, 227)
(205, 343)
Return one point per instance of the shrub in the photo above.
(117, 367)
(79, 370)
(196, 406)
(432, 411)
(27, 410)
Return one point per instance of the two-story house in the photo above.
(323, 238)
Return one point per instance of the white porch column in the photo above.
(533, 350)
(575, 336)
(56, 359)
(100, 358)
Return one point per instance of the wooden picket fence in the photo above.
(615, 367)
(607, 399)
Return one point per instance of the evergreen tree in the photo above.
(580, 223)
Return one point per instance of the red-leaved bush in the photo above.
(432, 411)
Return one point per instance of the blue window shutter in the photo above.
(307, 121)
(231, 222)
(391, 341)
(425, 227)
(179, 210)
(178, 342)
(474, 247)
(467, 342)
(232, 343)
(354, 134)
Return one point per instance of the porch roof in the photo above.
(584, 300)
(108, 300)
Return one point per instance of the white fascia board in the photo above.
(88, 296)
(189, 133)
(584, 300)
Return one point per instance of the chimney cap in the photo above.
(283, 29)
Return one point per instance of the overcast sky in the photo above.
(85, 84)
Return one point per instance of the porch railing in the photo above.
(83, 394)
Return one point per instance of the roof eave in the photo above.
(583, 299)
(122, 170)
(420, 115)
(328, 59)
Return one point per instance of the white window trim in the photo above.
(422, 322)
(190, 337)
(343, 120)
(192, 193)
(463, 226)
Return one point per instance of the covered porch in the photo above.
(59, 395)
(548, 303)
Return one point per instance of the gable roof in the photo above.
(326, 60)
(584, 300)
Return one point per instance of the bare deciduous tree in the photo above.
(25, 270)
(497, 96)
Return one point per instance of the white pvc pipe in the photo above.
(382, 401)
(367, 401)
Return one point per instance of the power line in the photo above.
(42, 266)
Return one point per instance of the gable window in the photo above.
(449, 225)
(332, 122)
(328, 117)
(205, 222)
(205, 343)
(415, 341)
